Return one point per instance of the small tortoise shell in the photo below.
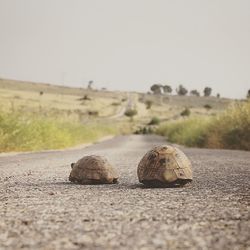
(93, 170)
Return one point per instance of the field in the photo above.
(57, 100)
(69, 116)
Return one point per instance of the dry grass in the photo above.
(62, 107)
(231, 129)
(170, 107)
(19, 132)
(56, 118)
(67, 105)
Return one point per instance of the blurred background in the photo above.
(75, 71)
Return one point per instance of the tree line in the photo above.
(181, 90)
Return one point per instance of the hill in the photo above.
(60, 112)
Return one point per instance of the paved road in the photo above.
(40, 209)
(128, 105)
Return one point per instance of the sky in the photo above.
(128, 44)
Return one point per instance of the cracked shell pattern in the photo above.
(93, 170)
(165, 164)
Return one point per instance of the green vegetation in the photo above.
(93, 112)
(34, 132)
(131, 113)
(47, 116)
(194, 92)
(156, 89)
(154, 121)
(207, 107)
(181, 90)
(86, 98)
(167, 89)
(186, 112)
(115, 103)
(229, 130)
(188, 132)
(248, 94)
(149, 104)
(207, 91)
(144, 130)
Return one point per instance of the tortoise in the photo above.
(164, 166)
(93, 169)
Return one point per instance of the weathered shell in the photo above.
(93, 170)
(164, 166)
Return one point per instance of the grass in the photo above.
(230, 130)
(41, 116)
(32, 133)
(64, 100)
(54, 118)
(189, 132)
(154, 121)
(186, 112)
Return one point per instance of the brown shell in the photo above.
(164, 166)
(93, 170)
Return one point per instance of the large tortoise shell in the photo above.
(164, 166)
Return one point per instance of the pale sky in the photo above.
(128, 44)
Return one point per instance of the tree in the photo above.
(149, 104)
(90, 84)
(194, 92)
(181, 90)
(207, 91)
(248, 94)
(156, 89)
(167, 89)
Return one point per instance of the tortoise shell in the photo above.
(164, 166)
(93, 170)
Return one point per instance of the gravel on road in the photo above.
(41, 209)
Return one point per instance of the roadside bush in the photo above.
(185, 112)
(115, 103)
(130, 112)
(149, 104)
(229, 130)
(207, 106)
(154, 121)
(144, 131)
(93, 113)
(189, 132)
(85, 98)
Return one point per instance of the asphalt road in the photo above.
(41, 209)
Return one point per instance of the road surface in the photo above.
(41, 209)
(126, 106)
